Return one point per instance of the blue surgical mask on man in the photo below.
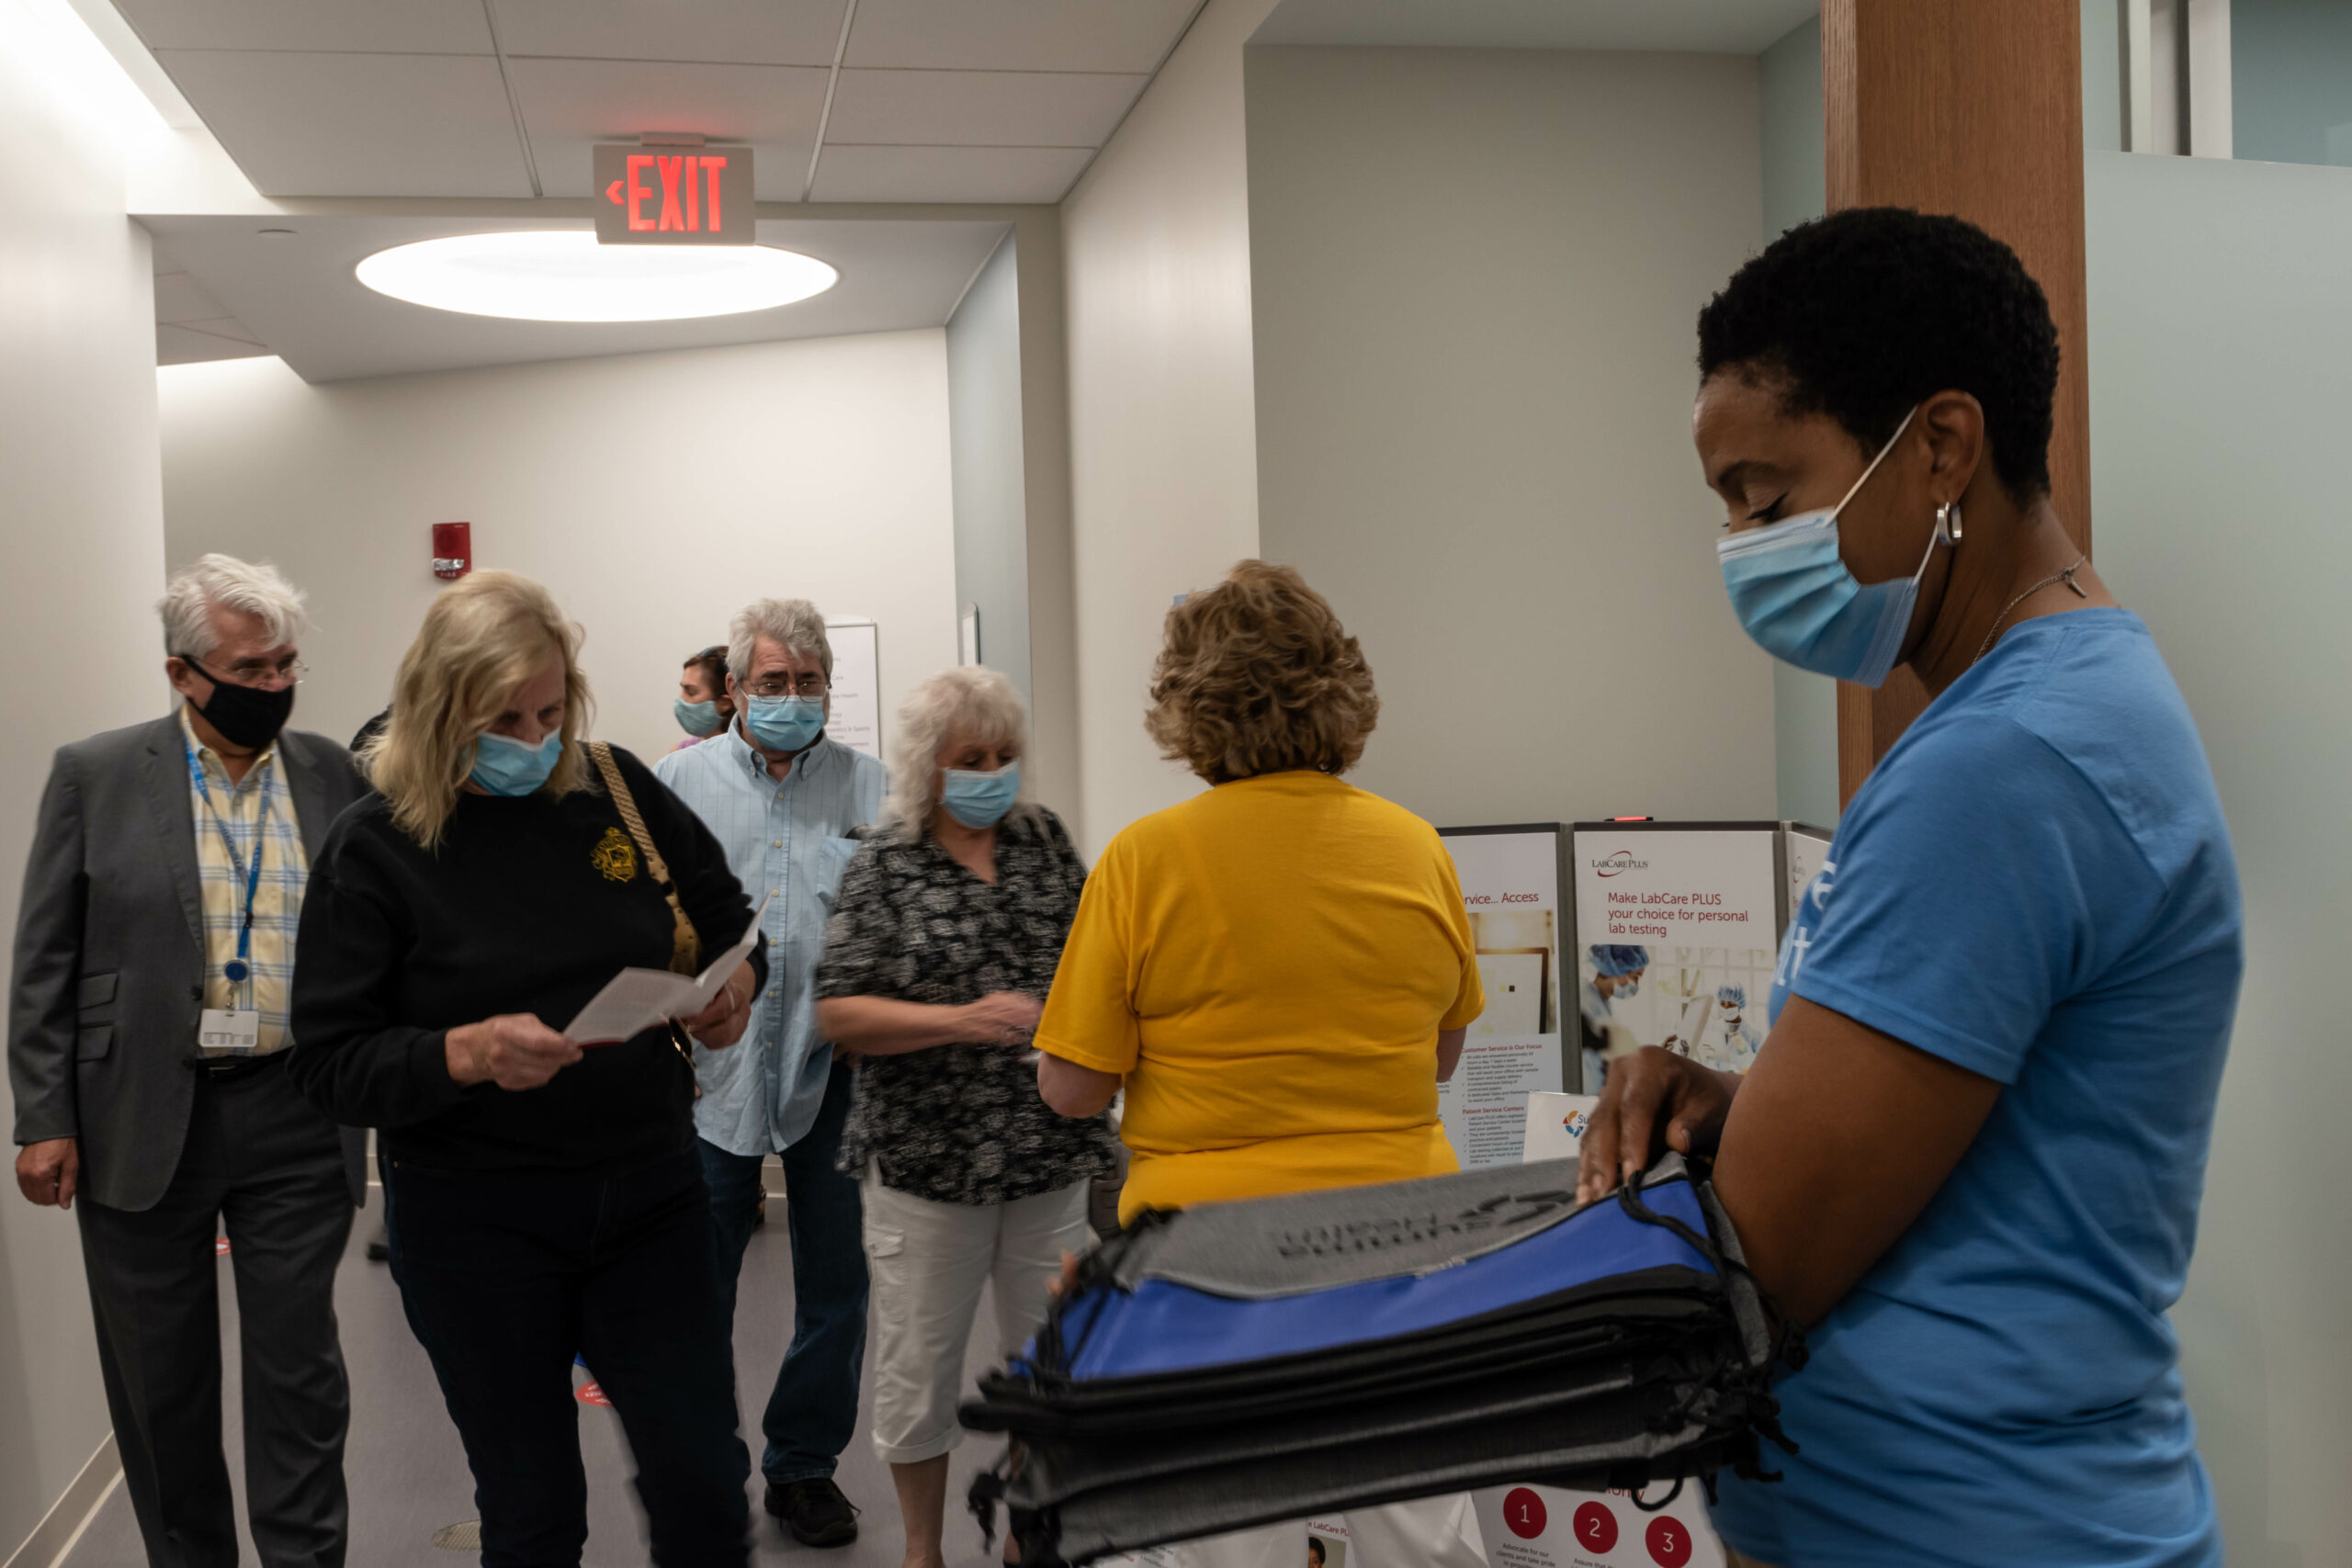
(784, 724)
(503, 765)
(701, 720)
(1793, 593)
(1628, 990)
(980, 800)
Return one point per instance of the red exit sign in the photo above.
(674, 196)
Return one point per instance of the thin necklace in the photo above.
(2066, 577)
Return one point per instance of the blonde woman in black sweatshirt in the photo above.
(543, 1195)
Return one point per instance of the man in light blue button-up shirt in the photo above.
(784, 799)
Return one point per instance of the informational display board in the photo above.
(1678, 926)
(1805, 854)
(856, 720)
(1511, 884)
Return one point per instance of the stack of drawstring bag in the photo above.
(1239, 1364)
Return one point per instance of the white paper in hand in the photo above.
(636, 999)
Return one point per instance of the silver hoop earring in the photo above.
(1948, 519)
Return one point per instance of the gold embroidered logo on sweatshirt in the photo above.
(615, 855)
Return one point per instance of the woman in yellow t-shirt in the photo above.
(1280, 969)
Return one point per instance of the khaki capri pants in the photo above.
(928, 1262)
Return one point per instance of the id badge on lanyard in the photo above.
(234, 1030)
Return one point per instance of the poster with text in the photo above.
(1511, 883)
(1545, 1527)
(1676, 933)
(1806, 854)
(856, 718)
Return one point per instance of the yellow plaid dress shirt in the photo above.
(277, 902)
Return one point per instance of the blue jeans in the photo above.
(812, 1414)
(504, 1277)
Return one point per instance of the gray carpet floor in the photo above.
(408, 1475)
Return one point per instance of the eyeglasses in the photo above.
(786, 686)
(251, 671)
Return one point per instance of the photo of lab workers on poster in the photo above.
(1678, 928)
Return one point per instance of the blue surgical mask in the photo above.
(503, 765)
(1627, 990)
(784, 724)
(980, 800)
(700, 720)
(1791, 591)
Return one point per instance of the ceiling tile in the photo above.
(192, 346)
(424, 26)
(948, 174)
(742, 32)
(358, 124)
(1018, 35)
(179, 297)
(980, 109)
(568, 105)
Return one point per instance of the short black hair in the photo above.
(1862, 314)
(1316, 1547)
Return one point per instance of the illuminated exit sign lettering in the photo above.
(674, 196)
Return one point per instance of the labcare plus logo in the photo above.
(1617, 863)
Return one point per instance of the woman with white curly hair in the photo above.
(942, 946)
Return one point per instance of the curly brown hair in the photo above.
(1258, 676)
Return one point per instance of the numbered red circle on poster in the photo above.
(1596, 1526)
(1669, 1541)
(588, 1393)
(1523, 1512)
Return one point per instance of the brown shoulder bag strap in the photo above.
(685, 947)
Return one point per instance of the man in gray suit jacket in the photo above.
(146, 1039)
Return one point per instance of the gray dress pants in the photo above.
(259, 1159)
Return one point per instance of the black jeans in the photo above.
(813, 1411)
(505, 1278)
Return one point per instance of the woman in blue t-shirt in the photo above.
(1969, 1153)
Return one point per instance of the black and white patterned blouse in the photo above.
(959, 1124)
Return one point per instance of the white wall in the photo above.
(2221, 365)
(81, 548)
(985, 434)
(655, 494)
(1163, 468)
(1475, 277)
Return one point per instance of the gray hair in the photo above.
(260, 591)
(793, 625)
(969, 700)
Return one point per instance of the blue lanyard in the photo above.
(241, 971)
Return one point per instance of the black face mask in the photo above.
(245, 715)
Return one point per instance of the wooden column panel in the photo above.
(1973, 107)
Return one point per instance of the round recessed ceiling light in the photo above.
(565, 275)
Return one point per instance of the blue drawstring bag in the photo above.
(1238, 1364)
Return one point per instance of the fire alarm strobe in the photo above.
(453, 550)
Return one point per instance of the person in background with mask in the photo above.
(951, 921)
(147, 1047)
(783, 800)
(1732, 1044)
(1617, 972)
(703, 706)
(1981, 1197)
(544, 1194)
